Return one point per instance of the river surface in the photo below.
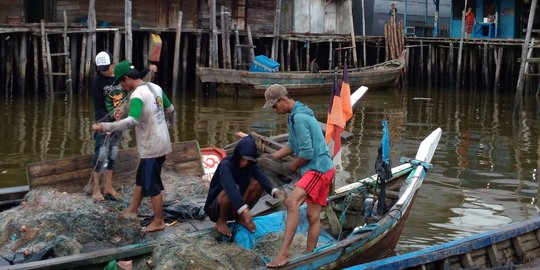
(485, 168)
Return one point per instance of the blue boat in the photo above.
(504, 248)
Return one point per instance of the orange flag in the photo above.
(339, 113)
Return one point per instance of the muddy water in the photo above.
(485, 168)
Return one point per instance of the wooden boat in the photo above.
(514, 244)
(12, 196)
(241, 83)
(72, 174)
(358, 238)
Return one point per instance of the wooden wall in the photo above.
(11, 10)
(260, 15)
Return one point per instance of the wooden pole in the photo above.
(451, 63)
(421, 60)
(184, 61)
(458, 73)
(330, 55)
(82, 78)
(498, 61)
(281, 56)
(198, 50)
(91, 44)
(129, 36)
(308, 45)
(430, 58)
(176, 59)
(251, 47)
(364, 33)
(44, 55)
(35, 64)
(485, 64)
(73, 55)
(23, 60)
(116, 46)
(524, 50)
(353, 38)
(289, 60)
(69, 79)
(275, 40)
(213, 54)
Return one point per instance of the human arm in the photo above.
(283, 152)
(228, 183)
(170, 113)
(135, 112)
(303, 139)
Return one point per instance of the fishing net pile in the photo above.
(178, 251)
(72, 223)
(68, 223)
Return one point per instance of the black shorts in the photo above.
(149, 176)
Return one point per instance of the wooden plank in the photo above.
(71, 174)
(493, 255)
(89, 258)
(466, 260)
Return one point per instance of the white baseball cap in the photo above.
(103, 61)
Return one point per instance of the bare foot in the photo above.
(222, 228)
(154, 226)
(129, 215)
(111, 193)
(278, 261)
(97, 196)
(250, 225)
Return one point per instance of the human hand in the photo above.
(152, 68)
(279, 194)
(98, 127)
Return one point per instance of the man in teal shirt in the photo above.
(306, 142)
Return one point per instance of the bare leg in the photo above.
(313, 216)
(293, 202)
(131, 211)
(224, 210)
(96, 192)
(158, 223)
(109, 189)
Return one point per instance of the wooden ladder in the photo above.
(527, 55)
(65, 70)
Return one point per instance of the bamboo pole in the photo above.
(129, 36)
(227, 39)
(223, 43)
(458, 73)
(275, 40)
(176, 59)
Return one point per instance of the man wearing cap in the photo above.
(236, 187)
(149, 111)
(306, 142)
(108, 101)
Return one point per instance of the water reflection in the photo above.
(486, 165)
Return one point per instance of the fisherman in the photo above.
(306, 142)
(236, 186)
(108, 101)
(149, 111)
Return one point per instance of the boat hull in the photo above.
(230, 82)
